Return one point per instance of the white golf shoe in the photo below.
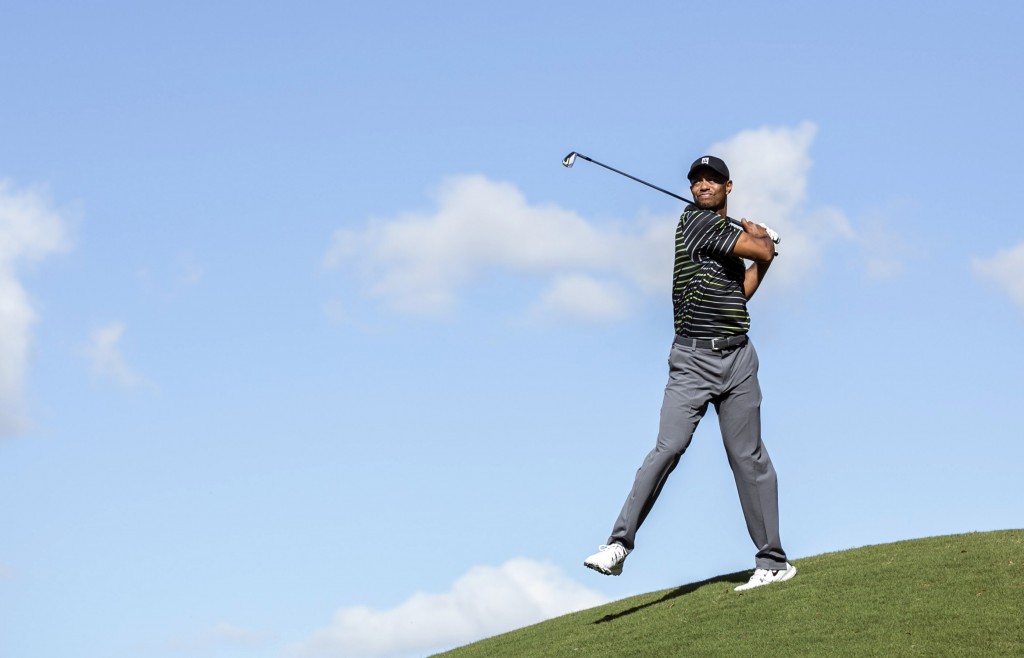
(608, 559)
(767, 577)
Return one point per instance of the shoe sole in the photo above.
(602, 570)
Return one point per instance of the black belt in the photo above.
(712, 343)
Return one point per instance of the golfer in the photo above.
(712, 361)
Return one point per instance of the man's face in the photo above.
(710, 189)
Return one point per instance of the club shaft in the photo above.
(660, 189)
(622, 173)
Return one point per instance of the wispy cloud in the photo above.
(1004, 270)
(104, 352)
(30, 231)
(582, 297)
(485, 601)
(418, 263)
(421, 262)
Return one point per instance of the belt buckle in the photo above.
(714, 345)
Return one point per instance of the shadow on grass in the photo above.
(738, 577)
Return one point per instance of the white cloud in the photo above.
(105, 354)
(583, 298)
(420, 262)
(484, 602)
(30, 231)
(1004, 269)
(770, 168)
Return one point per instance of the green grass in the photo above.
(958, 595)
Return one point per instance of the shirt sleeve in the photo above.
(708, 234)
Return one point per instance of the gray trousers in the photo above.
(728, 379)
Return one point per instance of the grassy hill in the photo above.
(958, 595)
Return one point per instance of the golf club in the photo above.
(569, 160)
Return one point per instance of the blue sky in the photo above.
(311, 346)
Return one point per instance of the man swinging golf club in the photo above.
(712, 361)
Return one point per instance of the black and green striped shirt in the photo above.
(707, 283)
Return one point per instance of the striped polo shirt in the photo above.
(707, 283)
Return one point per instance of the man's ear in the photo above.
(728, 186)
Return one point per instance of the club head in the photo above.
(568, 160)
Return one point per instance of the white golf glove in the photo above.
(771, 234)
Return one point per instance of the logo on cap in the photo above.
(705, 160)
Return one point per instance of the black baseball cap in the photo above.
(711, 162)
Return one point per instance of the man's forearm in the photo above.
(753, 277)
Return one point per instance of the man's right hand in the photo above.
(754, 243)
(771, 234)
(755, 230)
